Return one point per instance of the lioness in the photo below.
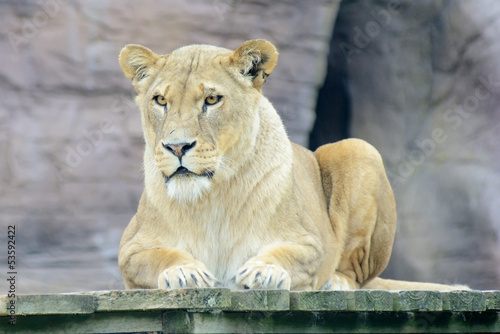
(230, 201)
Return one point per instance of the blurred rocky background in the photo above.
(420, 80)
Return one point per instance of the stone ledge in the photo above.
(49, 304)
(254, 300)
(428, 301)
(464, 301)
(260, 300)
(358, 300)
(492, 300)
(141, 300)
(208, 310)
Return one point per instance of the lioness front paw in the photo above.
(186, 276)
(260, 275)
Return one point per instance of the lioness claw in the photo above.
(263, 276)
(187, 276)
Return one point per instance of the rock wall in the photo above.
(70, 135)
(422, 84)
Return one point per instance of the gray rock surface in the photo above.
(70, 136)
(424, 85)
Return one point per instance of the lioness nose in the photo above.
(179, 149)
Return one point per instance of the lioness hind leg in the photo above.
(361, 207)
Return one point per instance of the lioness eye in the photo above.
(161, 100)
(213, 99)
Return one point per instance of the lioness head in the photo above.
(197, 106)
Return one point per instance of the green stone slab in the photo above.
(334, 300)
(417, 300)
(104, 322)
(466, 300)
(54, 304)
(133, 300)
(4, 301)
(492, 300)
(370, 300)
(260, 300)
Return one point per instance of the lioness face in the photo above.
(192, 102)
(187, 112)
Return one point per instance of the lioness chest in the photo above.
(221, 237)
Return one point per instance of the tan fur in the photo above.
(249, 208)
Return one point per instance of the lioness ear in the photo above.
(255, 58)
(137, 62)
